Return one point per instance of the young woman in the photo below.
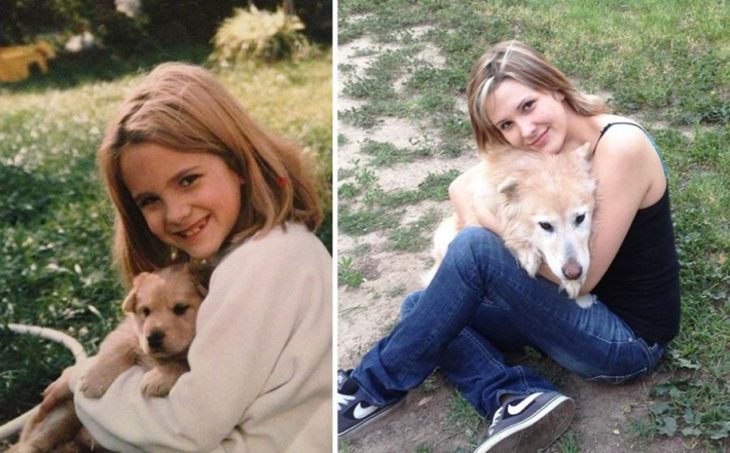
(192, 177)
(481, 303)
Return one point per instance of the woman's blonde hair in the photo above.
(521, 63)
(185, 108)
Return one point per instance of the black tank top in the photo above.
(642, 283)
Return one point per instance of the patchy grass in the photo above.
(665, 62)
(55, 219)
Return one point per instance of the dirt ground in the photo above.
(603, 422)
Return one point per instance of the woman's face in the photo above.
(528, 118)
(190, 201)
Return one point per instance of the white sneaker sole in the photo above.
(554, 418)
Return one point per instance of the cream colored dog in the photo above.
(161, 310)
(545, 204)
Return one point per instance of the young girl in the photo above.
(481, 303)
(192, 177)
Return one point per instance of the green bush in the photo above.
(260, 34)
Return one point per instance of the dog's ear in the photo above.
(201, 271)
(130, 302)
(509, 188)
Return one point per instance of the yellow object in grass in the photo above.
(15, 61)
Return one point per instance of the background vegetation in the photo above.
(55, 219)
(666, 63)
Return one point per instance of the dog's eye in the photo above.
(145, 311)
(579, 219)
(180, 309)
(546, 226)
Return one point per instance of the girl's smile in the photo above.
(190, 200)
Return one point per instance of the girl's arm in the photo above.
(630, 176)
(260, 377)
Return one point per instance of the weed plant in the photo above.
(666, 63)
(55, 219)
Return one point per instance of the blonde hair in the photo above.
(184, 107)
(521, 63)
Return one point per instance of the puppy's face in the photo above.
(165, 305)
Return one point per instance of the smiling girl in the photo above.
(192, 177)
(481, 303)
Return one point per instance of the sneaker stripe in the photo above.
(494, 441)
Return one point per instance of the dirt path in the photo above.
(428, 421)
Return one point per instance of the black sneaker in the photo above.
(354, 413)
(528, 423)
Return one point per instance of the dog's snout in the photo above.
(572, 270)
(155, 339)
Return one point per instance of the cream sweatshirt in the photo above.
(260, 375)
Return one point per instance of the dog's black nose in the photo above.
(155, 339)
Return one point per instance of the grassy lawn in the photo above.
(55, 220)
(665, 63)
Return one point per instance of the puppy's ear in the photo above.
(130, 302)
(201, 274)
(509, 189)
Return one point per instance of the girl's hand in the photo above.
(57, 392)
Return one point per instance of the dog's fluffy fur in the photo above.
(158, 328)
(545, 204)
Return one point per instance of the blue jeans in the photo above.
(481, 302)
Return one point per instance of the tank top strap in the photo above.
(651, 139)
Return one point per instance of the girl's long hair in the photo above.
(520, 62)
(185, 108)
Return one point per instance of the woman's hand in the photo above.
(57, 392)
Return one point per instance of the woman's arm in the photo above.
(262, 350)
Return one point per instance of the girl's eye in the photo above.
(505, 126)
(527, 106)
(188, 180)
(146, 201)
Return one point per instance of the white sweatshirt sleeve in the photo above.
(260, 377)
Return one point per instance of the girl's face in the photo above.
(190, 201)
(528, 118)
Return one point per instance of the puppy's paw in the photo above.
(23, 447)
(530, 260)
(95, 382)
(585, 301)
(156, 383)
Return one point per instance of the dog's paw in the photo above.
(585, 301)
(94, 383)
(156, 383)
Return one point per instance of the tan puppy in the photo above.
(156, 333)
(545, 204)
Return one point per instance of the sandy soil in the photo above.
(605, 413)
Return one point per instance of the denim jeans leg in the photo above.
(477, 270)
(477, 367)
(407, 356)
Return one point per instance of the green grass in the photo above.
(55, 219)
(665, 62)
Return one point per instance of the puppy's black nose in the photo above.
(155, 339)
